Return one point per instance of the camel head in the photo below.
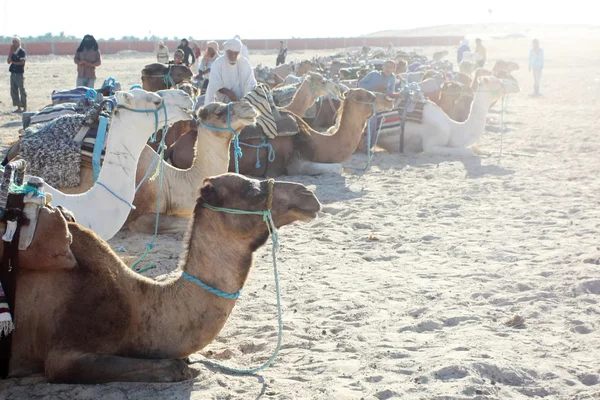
(322, 86)
(153, 75)
(177, 103)
(363, 96)
(290, 202)
(215, 114)
(497, 87)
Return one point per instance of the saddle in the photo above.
(286, 126)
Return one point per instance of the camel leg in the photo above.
(449, 151)
(300, 166)
(72, 367)
(166, 223)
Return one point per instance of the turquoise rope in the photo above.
(268, 219)
(211, 289)
(116, 195)
(236, 143)
(270, 154)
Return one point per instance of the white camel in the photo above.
(104, 208)
(438, 134)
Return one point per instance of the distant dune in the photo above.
(498, 31)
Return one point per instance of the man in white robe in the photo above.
(231, 76)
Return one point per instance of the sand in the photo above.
(423, 278)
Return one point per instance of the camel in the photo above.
(92, 201)
(155, 77)
(181, 153)
(178, 190)
(438, 134)
(82, 316)
(309, 152)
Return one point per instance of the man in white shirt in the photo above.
(231, 76)
(245, 53)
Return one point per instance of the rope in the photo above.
(270, 154)
(116, 195)
(236, 142)
(502, 127)
(268, 219)
(211, 289)
(161, 151)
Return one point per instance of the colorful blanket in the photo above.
(392, 120)
(260, 97)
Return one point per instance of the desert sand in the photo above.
(424, 277)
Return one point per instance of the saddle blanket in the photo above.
(260, 97)
(48, 114)
(392, 120)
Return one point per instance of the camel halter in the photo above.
(268, 220)
(236, 141)
(369, 155)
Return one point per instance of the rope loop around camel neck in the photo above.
(236, 142)
(268, 219)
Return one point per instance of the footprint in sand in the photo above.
(592, 287)
(450, 373)
(385, 394)
(588, 379)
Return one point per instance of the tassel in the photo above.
(11, 228)
(6, 323)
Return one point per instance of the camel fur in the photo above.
(438, 134)
(84, 317)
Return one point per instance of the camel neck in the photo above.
(303, 99)
(468, 132)
(339, 144)
(211, 158)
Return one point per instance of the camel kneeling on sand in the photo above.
(82, 316)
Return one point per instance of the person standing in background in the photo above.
(16, 60)
(480, 53)
(162, 53)
(87, 57)
(282, 54)
(464, 46)
(536, 63)
(187, 52)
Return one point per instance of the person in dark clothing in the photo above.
(88, 58)
(187, 52)
(16, 59)
(464, 46)
(282, 54)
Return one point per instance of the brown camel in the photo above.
(181, 153)
(91, 320)
(309, 152)
(155, 77)
(178, 191)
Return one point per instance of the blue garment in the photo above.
(461, 50)
(376, 78)
(413, 67)
(536, 60)
(19, 56)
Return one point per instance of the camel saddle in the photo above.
(286, 126)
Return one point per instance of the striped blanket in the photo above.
(261, 98)
(393, 118)
(48, 114)
(68, 96)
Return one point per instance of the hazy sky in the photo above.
(265, 19)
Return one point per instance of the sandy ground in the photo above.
(404, 285)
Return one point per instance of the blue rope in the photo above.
(116, 195)
(270, 154)
(135, 87)
(268, 219)
(236, 143)
(210, 288)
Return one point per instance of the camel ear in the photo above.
(210, 195)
